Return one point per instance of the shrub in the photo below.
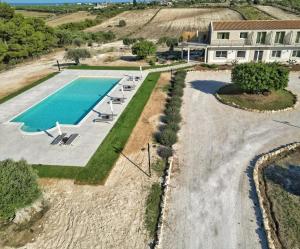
(122, 23)
(143, 49)
(171, 110)
(152, 61)
(165, 152)
(173, 126)
(175, 117)
(129, 41)
(167, 137)
(18, 187)
(77, 54)
(259, 77)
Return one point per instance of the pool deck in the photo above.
(35, 147)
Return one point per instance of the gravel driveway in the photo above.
(211, 204)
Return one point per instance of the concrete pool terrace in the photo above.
(36, 148)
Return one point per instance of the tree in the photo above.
(77, 54)
(143, 49)
(134, 2)
(122, 23)
(18, 187)
(6, 12)
(171, 43)
(259, 77)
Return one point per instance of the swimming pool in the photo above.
(68, 106)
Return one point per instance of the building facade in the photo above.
(245, 41)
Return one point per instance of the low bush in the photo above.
(167, 137)
(171, 110)
(259, 77)
(173, 126)
(175, 117)
(18, 187)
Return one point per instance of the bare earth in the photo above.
(210, 202)
(135, 20)
(172, 22)
(110, 216)
(73, 17)
(278, 13)
(167, 22)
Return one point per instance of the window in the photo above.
(279, 37)
(298, 37)
(261, 37)
(276, 53)
(221, 54)
(241, 54)
(223, 35)
(296, 53)
(244, 35)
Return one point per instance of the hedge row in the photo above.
(168, 133)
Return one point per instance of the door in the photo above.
(258, 55)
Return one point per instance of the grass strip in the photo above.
(87, 67)
(152, 208)
(25, 88)
(103, 160)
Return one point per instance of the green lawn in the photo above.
(27, 87)
(103, 160)
(277, 100)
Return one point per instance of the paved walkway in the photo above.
(212, 203)
(174, 67)
(36, 149)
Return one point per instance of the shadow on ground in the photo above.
(207, 86)
(260, 231)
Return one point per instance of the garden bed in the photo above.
(275, 101)
(276, 176)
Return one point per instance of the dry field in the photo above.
(73, 17)
(43, 15)
(172, 22)
(278, 13)
(135, 20)
(110, 216)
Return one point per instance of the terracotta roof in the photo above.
(256, 25)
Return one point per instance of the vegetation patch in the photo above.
(18, 187)
(251, 13)
(101, 163)
(152, 208)
(258, 86)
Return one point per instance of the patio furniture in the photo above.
(58, 139)
(70, 139)
(104, 117)
(117, 100)
(128, 87)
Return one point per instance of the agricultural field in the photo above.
(74, 17)
(252, 13)
(153, 23)
(43, 15)
(135, 20)
(278, 13)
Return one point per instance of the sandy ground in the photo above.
(172, 22)
(110, 216)
(26, 73)
(212, 203)
(134, 20)
(278, 13)
(73, 17)
(166, 22)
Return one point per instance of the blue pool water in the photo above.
(68, 105)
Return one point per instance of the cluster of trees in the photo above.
(260, 77)
(143, 49)
(58, 9)
(18, 187)
(22, 37)
(171, 42)
(168, 133)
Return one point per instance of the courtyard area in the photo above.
(212, 201)
(36, 148)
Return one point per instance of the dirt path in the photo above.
(211, 204)
(110, 216)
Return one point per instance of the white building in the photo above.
(244, 41)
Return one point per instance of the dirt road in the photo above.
(278, 13)
(212, 204)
